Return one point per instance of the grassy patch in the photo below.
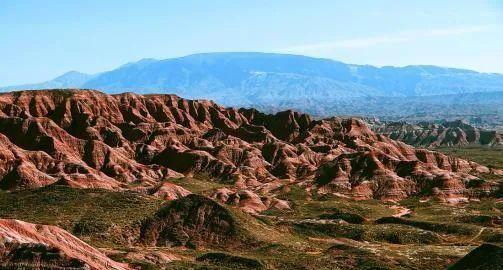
(447, 228)
(328, 205)
(99, 216)
(488, 156)
(346, 216)
(231, 261)
(390, 233)
(439, 212)
(197, 185)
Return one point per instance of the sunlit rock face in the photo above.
(88, 139)
(32, 246)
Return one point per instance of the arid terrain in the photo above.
(96, 181)
(444, 134)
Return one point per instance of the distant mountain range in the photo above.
(428, 134)
(71, 79)
(318, 86)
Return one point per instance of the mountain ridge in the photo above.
(318, 86)
(431, 134)
(222, 65)
(220, 68)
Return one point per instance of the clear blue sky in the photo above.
(43, 39)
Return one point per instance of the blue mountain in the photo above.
(270, 80)
(71, 79)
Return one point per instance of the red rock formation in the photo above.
(169, 191)
(30, 246)
(428, 134)
(86, 139)
(249, 201)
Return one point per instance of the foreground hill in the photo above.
(88, 139)
(487, 256)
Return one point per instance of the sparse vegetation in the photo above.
(232, 261)
(97, 216)
(286, 239)
(488, 156)
(197, 185)
(320, 232)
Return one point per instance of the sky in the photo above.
(40, 40)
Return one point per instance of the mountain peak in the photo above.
(70, 79)
(73, 75)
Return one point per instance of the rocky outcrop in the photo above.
(169, 191)
(191, 221)
(427, 134)
(30, 246)
(85, 138)
(249, 201)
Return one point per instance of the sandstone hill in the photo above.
(88, 139)
(191, 221)
(428, 134)
(30, 246)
